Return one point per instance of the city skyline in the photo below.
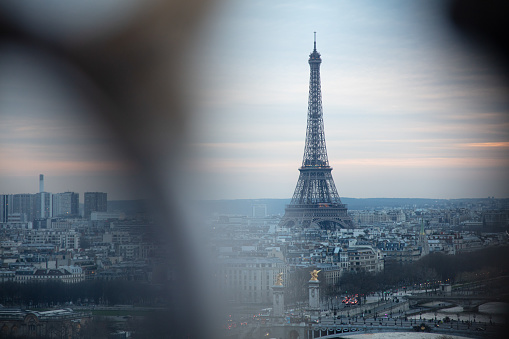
(410, 109)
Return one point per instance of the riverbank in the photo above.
(404, 335)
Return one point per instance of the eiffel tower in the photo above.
(315, 202)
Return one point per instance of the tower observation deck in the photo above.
(315, 202)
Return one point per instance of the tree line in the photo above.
(460, 268)
(433, 268)
(45, 294)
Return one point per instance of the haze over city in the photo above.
(410, 108)
(149, 150)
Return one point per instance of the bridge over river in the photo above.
(470, 303)
(329, 328)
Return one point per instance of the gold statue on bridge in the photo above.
(279, 279)
(314, 275)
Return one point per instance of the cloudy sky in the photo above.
(46, 128)
(410, 109)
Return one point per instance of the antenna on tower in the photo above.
(315, 41)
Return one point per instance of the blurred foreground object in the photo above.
(484, 24)
(127, 59)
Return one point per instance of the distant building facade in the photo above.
(43, 205)
(95, 202)
(259, 211)
(5, 202)
(66, 204)
(24, 205)
(66, 274)
(17, 323)
(365, 258)
(249, 280)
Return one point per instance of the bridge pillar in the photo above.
(314, 297)
(278, 301)
(283, 331)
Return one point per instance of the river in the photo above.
(497, 312)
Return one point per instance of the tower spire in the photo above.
(315, 201)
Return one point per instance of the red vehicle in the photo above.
(350, 300)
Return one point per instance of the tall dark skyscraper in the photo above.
(24, 204)
(5, 200)
(95, 202)
(315, 202)
(66, 204)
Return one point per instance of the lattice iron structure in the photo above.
(316, 202)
